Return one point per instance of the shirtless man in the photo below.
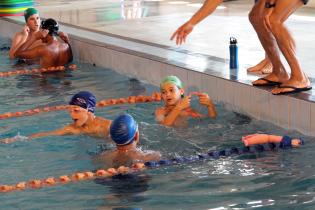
(267, 17)
(124, 132)
(52, 53)
(84, 120)
(32, 21)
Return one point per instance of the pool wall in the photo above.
(150, 63)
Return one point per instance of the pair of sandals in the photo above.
(269, 83)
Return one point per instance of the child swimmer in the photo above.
(177, 106)
(259, 138)
(124, 132)
(84, 120)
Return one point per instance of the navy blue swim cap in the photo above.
(51, 25)
(85, 100)
(123, 129)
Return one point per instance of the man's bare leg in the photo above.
(285, 41)
(264, 66)
(258, 19)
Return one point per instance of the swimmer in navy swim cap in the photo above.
(125, 133)
(84, 120)
(52, 52)
(33, 22)
(177, 106)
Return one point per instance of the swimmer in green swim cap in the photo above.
(125, 133)
(177, 106)
(33, 22)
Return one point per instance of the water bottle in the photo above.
(233, 53)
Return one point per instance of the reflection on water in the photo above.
(125, 189)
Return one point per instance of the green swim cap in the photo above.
(29, 12)
(172, 79)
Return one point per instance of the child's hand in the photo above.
(204, 98)
(41, 34)
(184, 103)
(26, 30)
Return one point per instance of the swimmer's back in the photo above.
(56, 54)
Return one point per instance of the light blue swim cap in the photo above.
(85, 100)
(123, 129)
(173, 80)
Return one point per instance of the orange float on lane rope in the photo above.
(34, 71)
(75, 177)
(131, 99)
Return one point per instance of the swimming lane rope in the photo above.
(104, 173)
(131, 100)
(35, 71)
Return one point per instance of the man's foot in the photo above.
(285, 89)
(292, 86)
(269, 80)
(263, 67)
(265, 82)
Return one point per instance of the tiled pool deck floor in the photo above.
(143, 29)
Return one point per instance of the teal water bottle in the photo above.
(233, 53)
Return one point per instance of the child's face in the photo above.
(78, 115)
(33, 22)
(171, 94)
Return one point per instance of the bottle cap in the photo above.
(233, 40)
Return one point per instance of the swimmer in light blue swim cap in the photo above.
(125, 133)
(177, 107)
(84, 121)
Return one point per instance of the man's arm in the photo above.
(207, 8)
(64, 37)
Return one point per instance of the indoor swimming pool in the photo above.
(271, 180)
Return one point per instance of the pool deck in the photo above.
(132, 37)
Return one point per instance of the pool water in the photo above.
(269, 180)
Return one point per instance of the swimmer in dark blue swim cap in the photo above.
(84, 120)
(124, 132)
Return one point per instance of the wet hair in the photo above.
(51, 25)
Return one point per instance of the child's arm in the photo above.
(59, 132)
(266, 138)
(205, 100)
(152, 156)
(19, 39)
(260, 139)
(169, 119)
